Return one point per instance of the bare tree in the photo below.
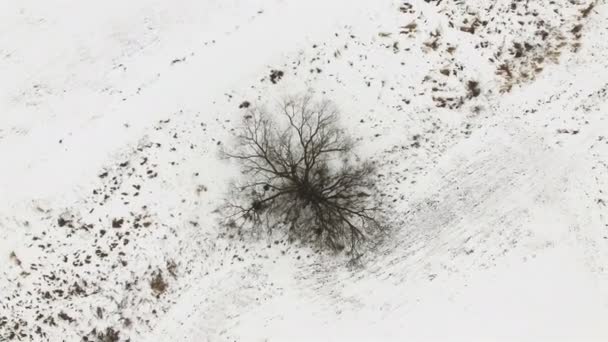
(300, 174)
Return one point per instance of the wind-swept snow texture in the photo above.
(488, 120)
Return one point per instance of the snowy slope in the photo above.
(113, 114)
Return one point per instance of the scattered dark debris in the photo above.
(172, 268)
(543, 34)
(14, 258)
(448, 102)
(476, 109)
(65, 317)
(433, 42)
(518, 50)
(509, 69)
(416, 143)
(61, 222)
(99, 312)
(395, 49)
(117, 223)
(109, 335)
(585, 12)
(178, 60)
(567, 131)
(405, 7)
(127, 322)
(100, 253)
(504, 70)
(409, 28)
(472, 27)
(200, 189)
(577, 29)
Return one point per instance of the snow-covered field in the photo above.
(489, 120)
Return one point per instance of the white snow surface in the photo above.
(111, 117)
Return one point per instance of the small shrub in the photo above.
(276, 75)
(473, 89)
(158, 284)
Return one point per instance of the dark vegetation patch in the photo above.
(473, 89)
(158, 283)
(275, 76)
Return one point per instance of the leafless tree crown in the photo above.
(299, 175)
